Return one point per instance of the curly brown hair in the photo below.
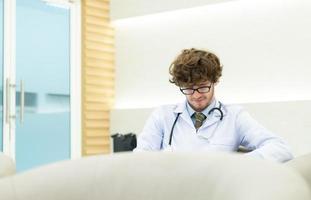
(194, 66)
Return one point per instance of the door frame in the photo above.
(9, 66)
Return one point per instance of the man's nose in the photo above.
(196, 94)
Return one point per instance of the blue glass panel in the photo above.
(43, 63)
(1, 75)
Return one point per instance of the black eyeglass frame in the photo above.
(197, 89)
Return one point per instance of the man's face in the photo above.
(199, 100)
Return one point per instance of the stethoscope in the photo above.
(212, 110)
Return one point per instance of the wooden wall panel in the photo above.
(98, 76)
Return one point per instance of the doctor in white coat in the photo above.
(202, 123)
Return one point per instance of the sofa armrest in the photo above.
(7, 166)
(302, 164)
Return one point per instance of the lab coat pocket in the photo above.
(223, 144)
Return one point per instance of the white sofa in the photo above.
(164, 175)
(302, 165)
(159, 176)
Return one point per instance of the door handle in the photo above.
(8, 115)
(8, 102)
(22, 102)
(8, 87)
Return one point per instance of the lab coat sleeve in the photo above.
(150, 139)
(263, 142)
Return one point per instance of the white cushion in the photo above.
(158, 176)
(302, 164)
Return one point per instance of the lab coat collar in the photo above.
(214, 116)
(182, 108)
(205, 111)
(211, 118)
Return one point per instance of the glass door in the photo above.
(42, 83)
(1, 75)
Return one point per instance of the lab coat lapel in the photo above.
(214, 117)
(181, 108)
(210, 121)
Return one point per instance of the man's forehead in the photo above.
(204, 83)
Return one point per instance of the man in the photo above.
(202, 122)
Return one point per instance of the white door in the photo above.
(39, 84)
(1, 75)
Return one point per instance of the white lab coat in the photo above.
(236, 128)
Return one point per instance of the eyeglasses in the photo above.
(189, 91)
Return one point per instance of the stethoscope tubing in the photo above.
(178, 114)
